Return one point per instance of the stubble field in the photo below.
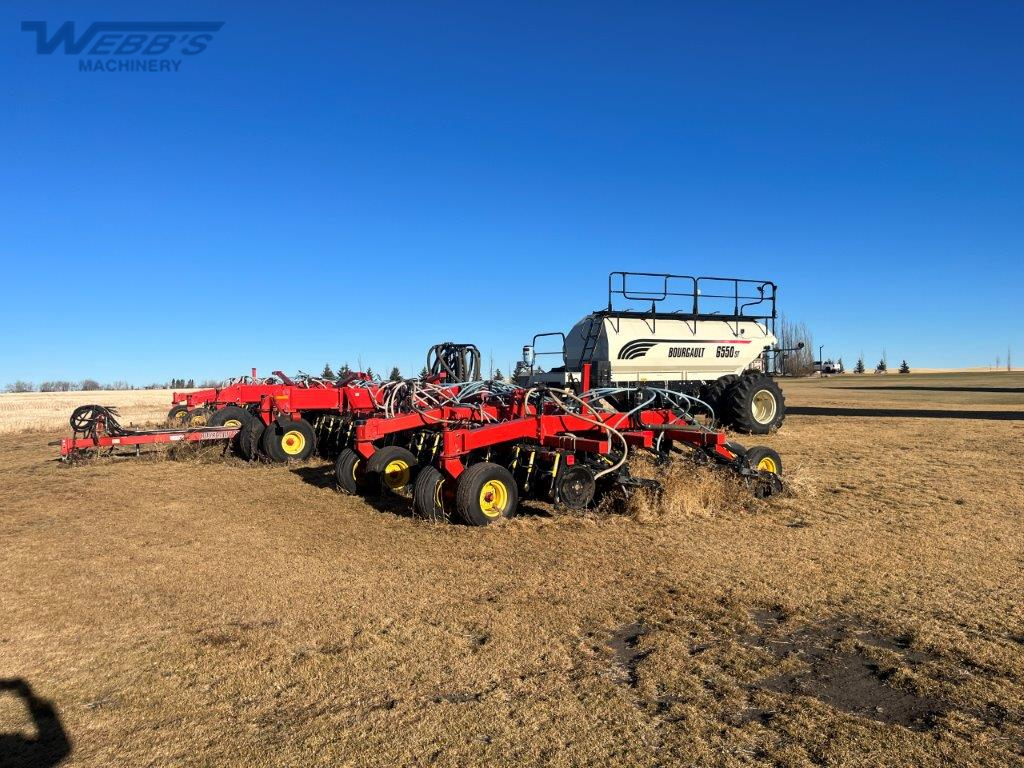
(205, 611)
(40, 411)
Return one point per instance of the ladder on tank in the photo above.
(590, 341)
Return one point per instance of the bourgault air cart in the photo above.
(710, 337)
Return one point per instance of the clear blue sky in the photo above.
(364, 179)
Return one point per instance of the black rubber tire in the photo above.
(199, 417)
(275, 440)
(350, 472)
(248, 441)
(394, 468)
(230, 416)
(432, 495)
(739, 404)
(471, 485)
(763, 458)
(177, 415)
(712, 392)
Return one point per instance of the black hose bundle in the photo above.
(459, 362)
(86, 420)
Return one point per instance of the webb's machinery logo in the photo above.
(143, 46)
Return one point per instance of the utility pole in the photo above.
(821, 362)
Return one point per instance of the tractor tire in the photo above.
(432, 496)
(394, 468)
(712, 392)
(288, 440)
(230, 416)
(754, 404)
(199, 417)
(247, 443)
(177, 415)
(350, 473)
(764, 459)
(485, 493)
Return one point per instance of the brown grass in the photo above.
(49, 411)
(219, 613)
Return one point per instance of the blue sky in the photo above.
(360, 180)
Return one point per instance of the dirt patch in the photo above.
(838, 663)
(624, 642)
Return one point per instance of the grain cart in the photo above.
(709, 337)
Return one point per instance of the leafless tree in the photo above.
(796, 362)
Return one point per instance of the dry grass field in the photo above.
(49, 411)
(203, 611)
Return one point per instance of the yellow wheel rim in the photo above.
(493, 498)
(767, 464)
(293, 442)
(199, 420)
(233, 423)
(396, 474)
(357, 471)
(763, 406)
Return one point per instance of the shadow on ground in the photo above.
(48, 747)
(904, 413)
(920, 388)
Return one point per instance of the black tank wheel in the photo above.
(711, 393)
(755, 404)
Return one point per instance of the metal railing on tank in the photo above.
(685, 295)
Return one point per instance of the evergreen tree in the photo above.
(369, 372)
(424, 372)
(395, 375)
(343, 369)
(842, 368)
(882, 366)
(498, 375)
(191, 384)
(904, 368)
(859, 368)
(327, 373)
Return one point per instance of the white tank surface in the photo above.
(665, 348)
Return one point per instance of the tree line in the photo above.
(395, 375)
(91, 385)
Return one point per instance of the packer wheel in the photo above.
(485, 493)
(288, 440)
